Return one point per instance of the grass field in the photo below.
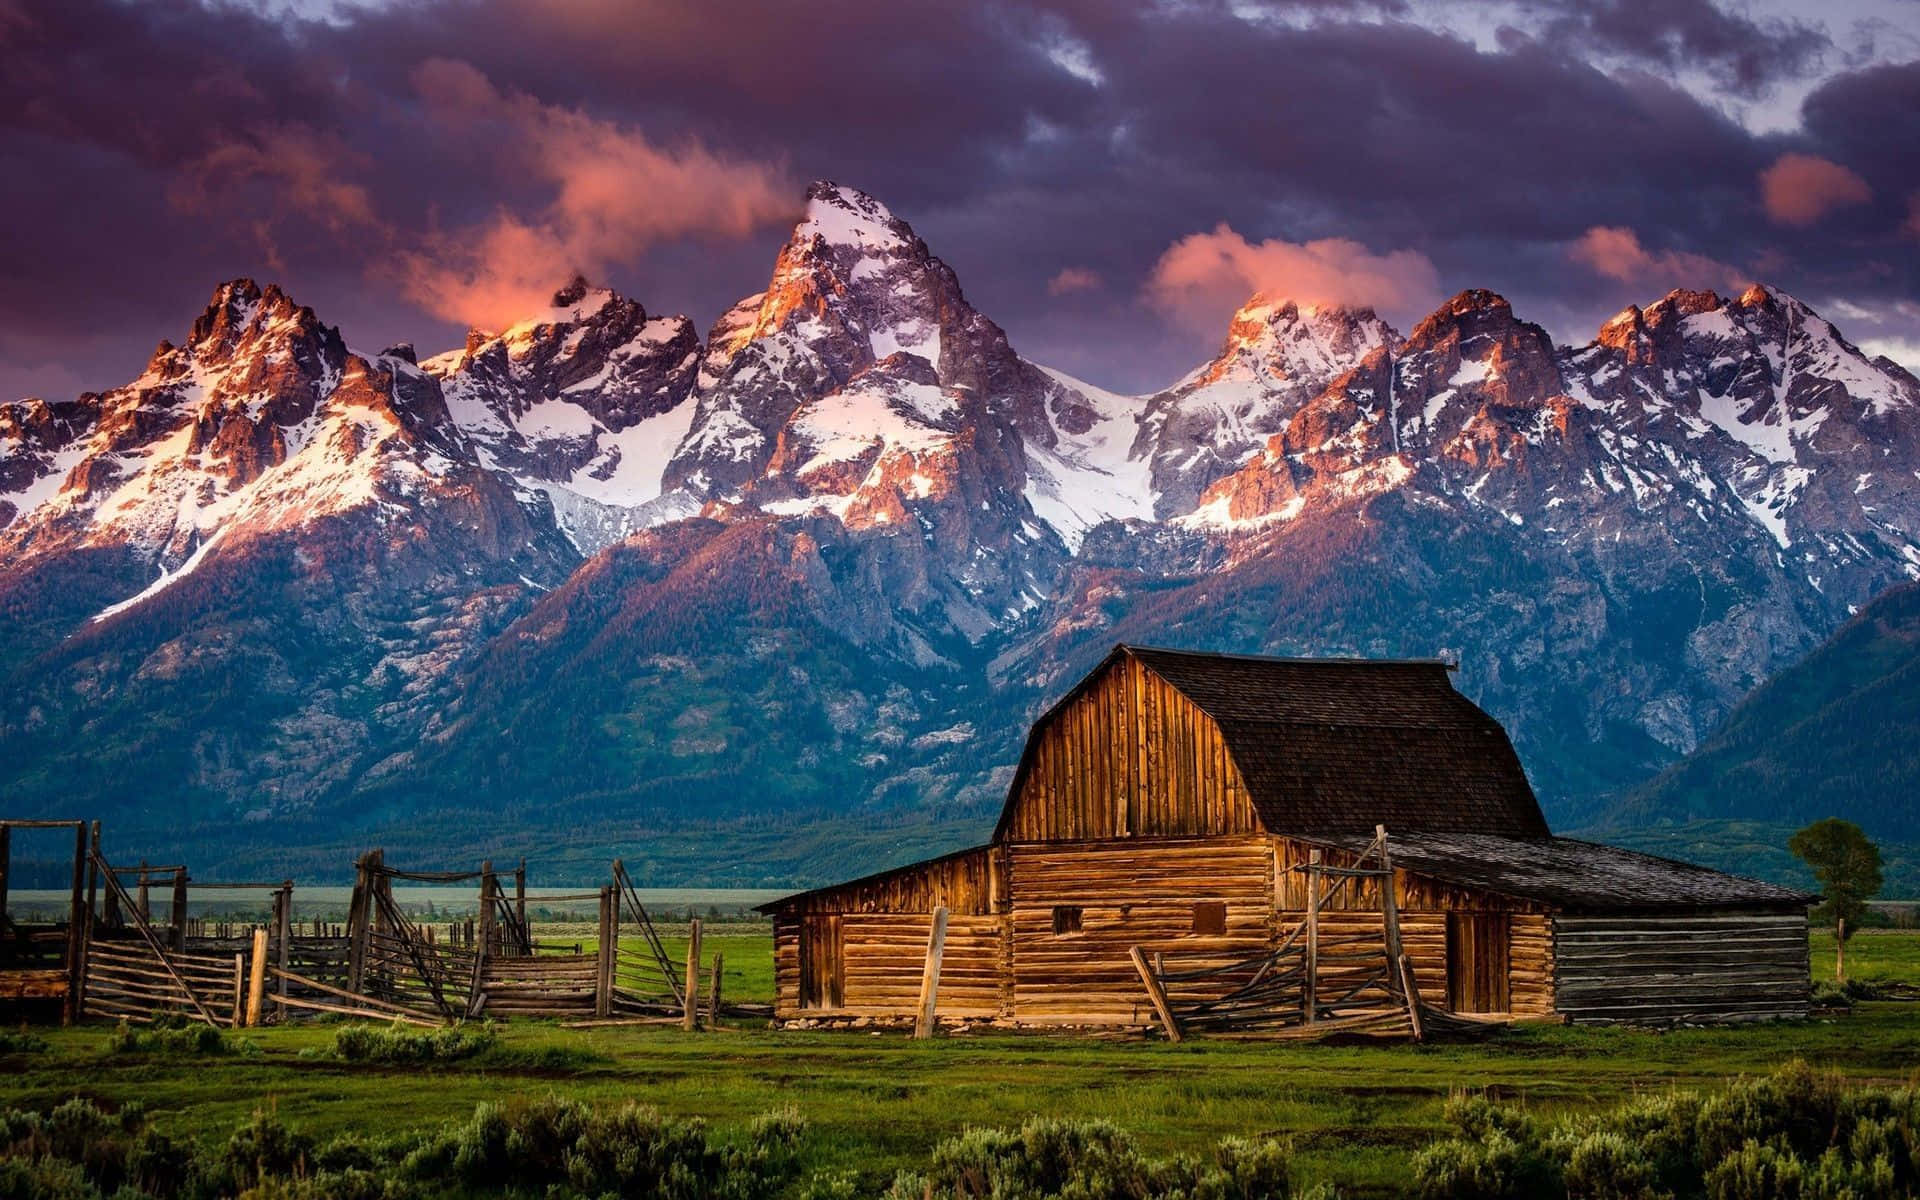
(877, 1102)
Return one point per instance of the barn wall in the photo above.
(886, 954)
(1130, 757)
(1709, 967)
(786, 963)
(883, 935)
(1136, 893)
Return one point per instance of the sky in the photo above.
(1109, 179)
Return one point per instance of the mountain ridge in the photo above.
(837, 552)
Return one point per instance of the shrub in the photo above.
(1796, 1133)
(177, 1037)
(1047, 1158)
(21, 1042)
(554, 1148)
(399, 1045)
(632, 1150)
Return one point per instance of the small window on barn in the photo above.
(1210, 916)
(1066, 919)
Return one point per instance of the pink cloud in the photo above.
(1799, 189)
(1204, 276)
(1616, 252)
(1074, 279)
(307, 170)
(615, 193)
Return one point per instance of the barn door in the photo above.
(1477, 962)
(822, 979)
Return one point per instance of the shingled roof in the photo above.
(1330, 745)
(1572, 875)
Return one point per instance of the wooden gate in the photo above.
(1311, 984)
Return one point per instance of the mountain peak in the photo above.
(240, 306)
(844, 216)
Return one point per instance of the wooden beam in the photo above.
(1310, 987)
(713, 995)
(930, 975)
(1156, 993)
(691, 1020)
(239, 989)
(256, 976)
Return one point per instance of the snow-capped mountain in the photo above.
(838, 550)
(581, 403)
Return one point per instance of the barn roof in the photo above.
(1341, 744)
(1569, 874)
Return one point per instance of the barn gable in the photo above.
(1171, 742)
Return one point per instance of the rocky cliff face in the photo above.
(837, 554)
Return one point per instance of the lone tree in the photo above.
(1848, 868)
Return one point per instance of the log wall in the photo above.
(1707, 967)
(1131, 893)
(1128, 757)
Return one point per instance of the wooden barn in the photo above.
(1196, 840)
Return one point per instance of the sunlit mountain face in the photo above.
(829, 559)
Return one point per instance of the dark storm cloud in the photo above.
(406, 166)
(1746, 55)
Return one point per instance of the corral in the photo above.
(1206, 841)
(121, 952)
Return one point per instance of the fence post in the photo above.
(239, 989)
(487, 885)
(609, 948)
(76, 926)
(930, 974)
(283, 953)
(357, 927)
(713, 995)
(6, 860)
(692, 1018)
(1399, 969)
(520, 907)
(178, 931)
(257, 976)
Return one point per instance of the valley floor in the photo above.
(877, 1102)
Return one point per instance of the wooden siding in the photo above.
(965, 883)
(1132, 893)
(1128, 757)
(1710, 967)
